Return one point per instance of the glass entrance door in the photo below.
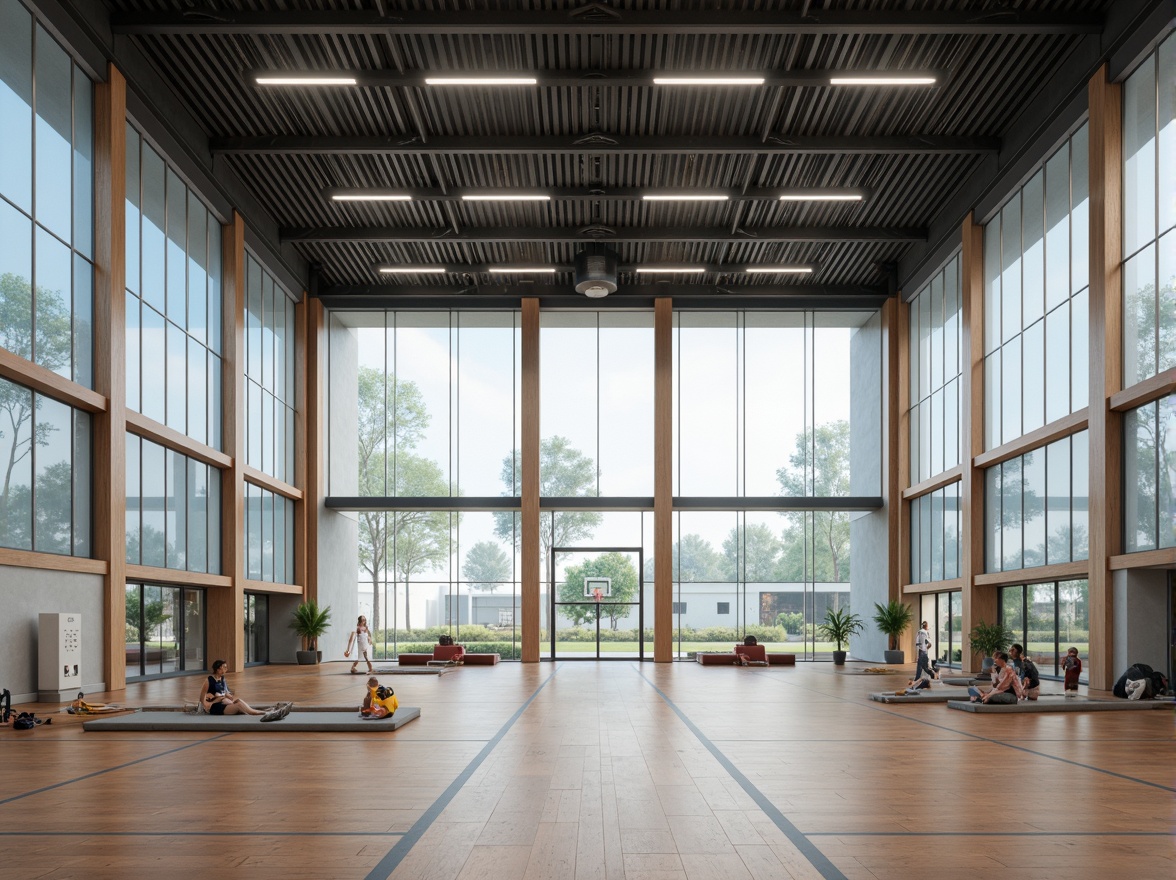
(596, 609)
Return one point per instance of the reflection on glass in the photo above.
(1139, 157)
(54, 136)
(16, 503)
(16, 104)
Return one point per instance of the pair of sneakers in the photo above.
(278, 712)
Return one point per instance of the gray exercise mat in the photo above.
(931, 696)
(965, 682)
(310, 722)
(1078, 704)
(414, 670)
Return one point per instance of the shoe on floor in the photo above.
(274, 714)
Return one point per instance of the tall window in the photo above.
(1149, 475)
(269, 373)
(935, 334)
(269, 536)
(46, 200)
(935, 535)
(1037, 506)
(164, 630)
(1048, 619)
(173, 509)
(1149, 217)
(1036, 299)
(173, 299)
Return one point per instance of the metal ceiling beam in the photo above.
(354, 194)
(372, 79)
(623, 268)
(606, 144)
(604, 234)
(676, 290)
(598, 19)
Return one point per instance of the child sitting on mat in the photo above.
(380, 700)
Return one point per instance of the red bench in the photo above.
(451, 653)
(752, 652)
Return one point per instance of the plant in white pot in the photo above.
(310, 622)
(839, 625)
(892, 620)
(987, 639)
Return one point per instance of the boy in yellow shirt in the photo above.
(379, 702)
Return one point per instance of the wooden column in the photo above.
(226, 613)
(110, 364)
(309, 321)
(663, 475)
(896, 439)
(529, 465)
(979, 603)
(1106, 364)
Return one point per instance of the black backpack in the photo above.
(1159, 683)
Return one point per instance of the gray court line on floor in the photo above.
(396, 855)
(112, 769)
(988, 834)
(878, 707)
(807, 848)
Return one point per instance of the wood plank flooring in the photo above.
(613, 771)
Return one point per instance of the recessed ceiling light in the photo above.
(481, 81)
(505, 197)
(325, 80)
(668, 270)
(881, 80)
(413, 270)
(685, 197)
(509, 270)
(708, 80)
(778, 270)
(371, 197)
(818, 196)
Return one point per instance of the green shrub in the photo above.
(790, 621)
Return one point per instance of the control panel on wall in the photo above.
(60, 651)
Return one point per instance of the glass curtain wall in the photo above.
(1037, 507)
(1036, 283)
(46, 200)
(173, 254)
(173, 509)
(428, 402)
(763, 407)
(1149, 466)
(1149, 217)
(935, 338)
(165, 630)
(256, 629)
(269, 374)
(1049, 619)
(269, 536)
(944, 612)
(935, 535)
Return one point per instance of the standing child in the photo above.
(380, 700)
(361, 637)
(1072, 667)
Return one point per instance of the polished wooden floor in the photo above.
(599, 770)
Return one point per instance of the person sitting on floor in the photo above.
(380, 700)
(1007, 688)
(921, 682)
(217, 699)
(1027, 672)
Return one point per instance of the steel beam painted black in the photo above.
(601, 20)
(856, 502)
(547, 289)
(570, 300)
(493, 502)
(602, 144)
(354, 194)
(360, 503)
(602, 234)
(472, 269)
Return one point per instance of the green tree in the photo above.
(486, 566)
(154, 617)
(564, 472)
(816, 543)
(751, 554)
(695, 561)
(616, 566)
(53, 350)
(391, 420)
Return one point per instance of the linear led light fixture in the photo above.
(820, 195)
(778, 270)
(684, 197)
(505, 197)
(307, 80)
(370, 197)
(520, 270)
(668, 270)
(882, 79)
(708, 80)
(413, 270)
(481, 81)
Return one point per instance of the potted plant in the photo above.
(987, 639)
(838, 627)
(310, 622)
(892, 620)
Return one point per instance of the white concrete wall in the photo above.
(24, 594)
(1141, 619)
